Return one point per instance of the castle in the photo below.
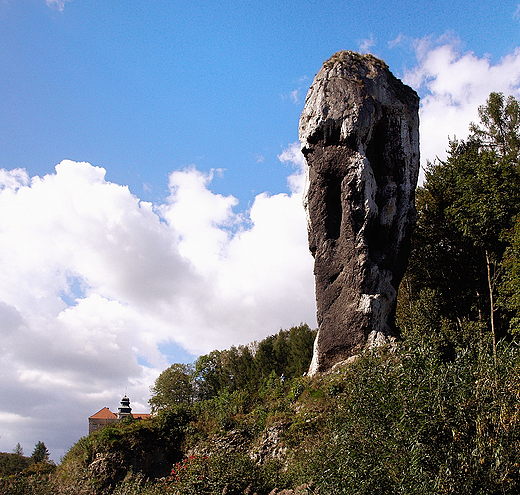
(105, 417)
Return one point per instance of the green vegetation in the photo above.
(12, 463)
(464, 256)
(397, 421)
(438, 413)
(26, 475)
(40, 453)
(173, 386)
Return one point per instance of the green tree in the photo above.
(488, 198)
(18, 449)
(265, 358)
(174, 385)
(499, 128)
(464, 207)
(442, 259)
(40, 453)
(301, 344)
(510, 286)
(210, 375)
(238, 368)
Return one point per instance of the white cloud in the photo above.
(516, 14)
(399, 40)
(293, 156)
(295, 96)
(367, 44)
(57, 4)
(452, 85)
(97, 282)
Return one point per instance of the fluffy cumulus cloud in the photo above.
(452, 84)
(97, 284)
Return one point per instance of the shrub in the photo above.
(417, 424)
(233, 475)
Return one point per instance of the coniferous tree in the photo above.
(40, 453)
(18, 449)
(301, 344)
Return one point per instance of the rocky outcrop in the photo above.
(270, 445)
(359, 132)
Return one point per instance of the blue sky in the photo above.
(151, 180)
(143, 88)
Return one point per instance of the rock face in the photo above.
(359, 132)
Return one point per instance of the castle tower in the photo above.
(124, 409)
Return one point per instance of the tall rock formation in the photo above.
(359, 132)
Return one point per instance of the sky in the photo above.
(151, 179)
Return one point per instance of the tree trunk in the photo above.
(492, 307)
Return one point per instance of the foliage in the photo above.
(499, 130)
(410, 421)
(40, 453)
(510, 287)
(249, 367)
(173, 386)
(200, 475)
(466, 207)
(416, 424)
(12, 464)
(148, 446)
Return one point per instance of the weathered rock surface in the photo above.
(359, 132)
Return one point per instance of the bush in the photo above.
(417, 424)
(12, 464)
(232, 475)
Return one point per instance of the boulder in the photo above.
(359, 133)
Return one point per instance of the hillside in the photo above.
(408, 420)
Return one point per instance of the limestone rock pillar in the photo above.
(359, 133)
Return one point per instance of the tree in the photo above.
(40, 453)
(238, 368)
(499, 128)
(442, 259)
(510, 286)
(210, 375)
(464, 207)
(18, 449)
(487, 201)
(301, 344)
(265, 358)
(173, 386)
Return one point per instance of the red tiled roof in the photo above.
(139, 415)
(104, 413)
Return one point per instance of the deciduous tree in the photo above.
(466, 205)
(173, 386)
